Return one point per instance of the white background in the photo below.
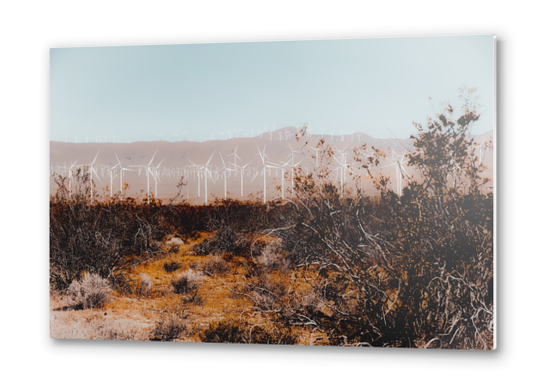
(28, 29)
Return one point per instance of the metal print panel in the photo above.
(331, 193)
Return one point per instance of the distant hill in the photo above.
(175, 157)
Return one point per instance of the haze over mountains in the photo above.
(178, 158)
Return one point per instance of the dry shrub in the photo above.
(145, 285)
(107, 238)
(111, 330)
(272, 257)
(225, 331)
(172, 267)
(91, 292)
(234, 225)
(241, 332)
(186, 282)
(415, 269)
(64, 327)
(194, 298)
(216, 265)
(170, 327)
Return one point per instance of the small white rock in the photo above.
(175, 240)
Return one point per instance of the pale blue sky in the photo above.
(364, 85)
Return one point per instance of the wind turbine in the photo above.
(367, 155)
(263, 156)
(93, 170)
(399, 169)
(235, 157)
(292, 159)
(147, 171)
(111, 172)
(206, 172)
(225, 170)
(121, 172)
(343, 167)
(317, 155)
(242, 171)
(156, 176)
(70, 176)
(479, 146)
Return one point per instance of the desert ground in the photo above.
(145, 314)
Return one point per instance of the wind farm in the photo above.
(265, 162)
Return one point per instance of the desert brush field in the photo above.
(322, 263)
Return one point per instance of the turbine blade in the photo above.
(95, 157)
(96, 173)
(403, 168)
(211, 157)
(153, 157)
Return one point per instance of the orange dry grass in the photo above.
(217, 301)
(214, 299)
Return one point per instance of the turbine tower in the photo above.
(147, 171)
(235, 157)
(70, 176)
(399, 169)
(243, 171)
(265, 166)
(156, 176)
(293, 165)
(206, 171)
(480, 148)
(112, 175)
(225, 170)
(93, 171)
(317, 149)
(343, 166)
(121, 172)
